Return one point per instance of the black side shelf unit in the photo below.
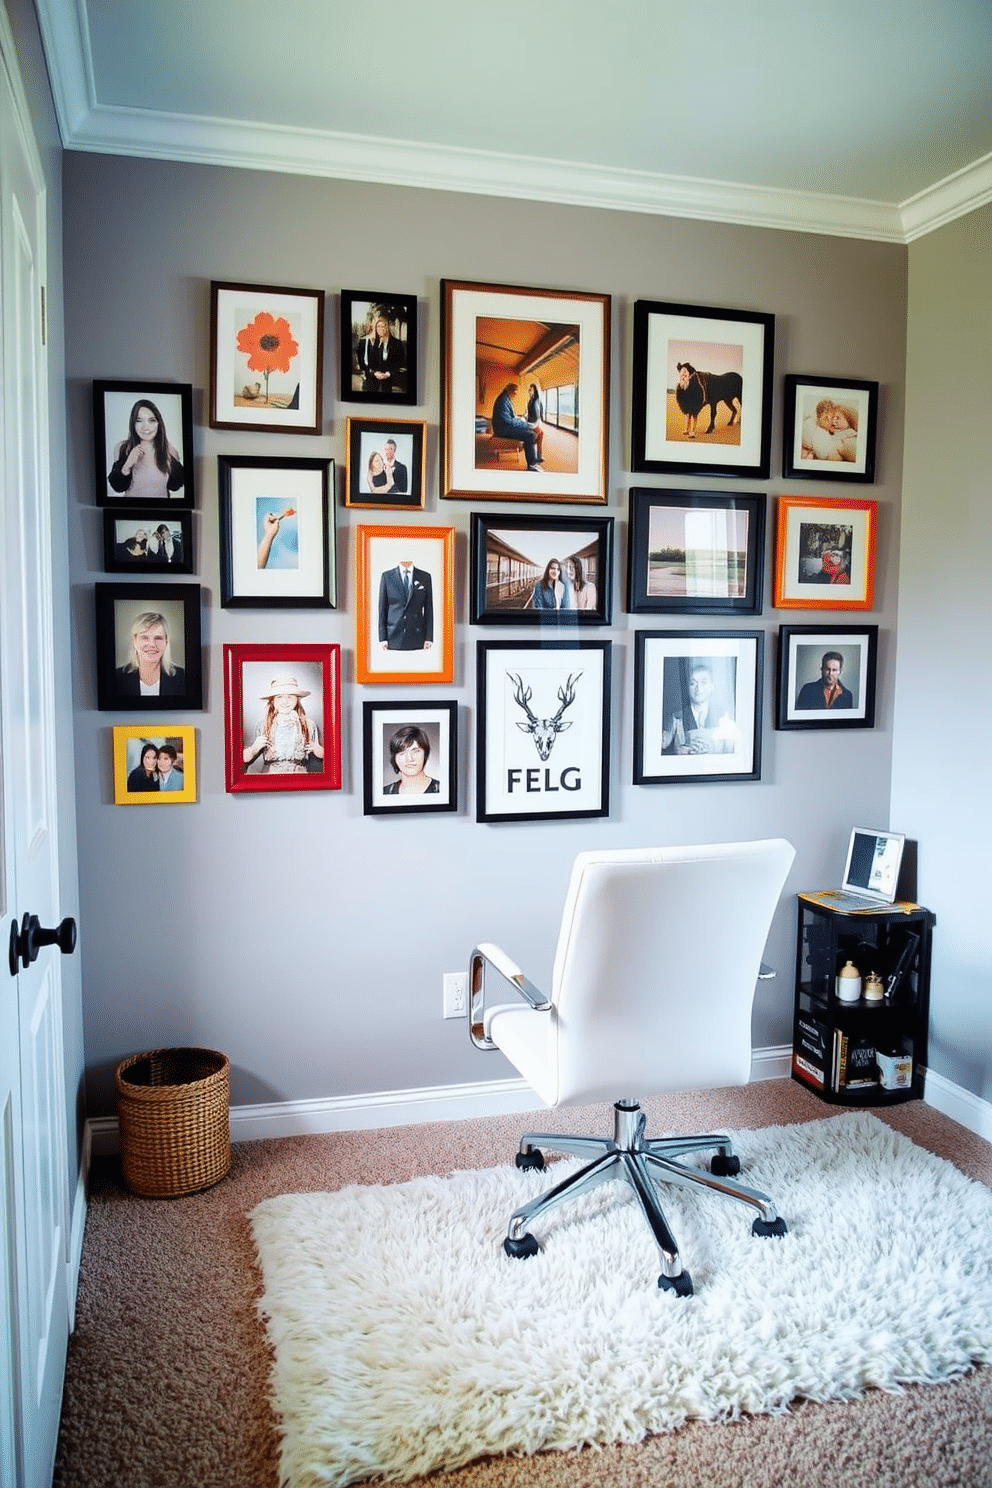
(869, 1052)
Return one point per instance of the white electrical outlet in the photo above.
(455, 989)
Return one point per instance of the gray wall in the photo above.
(31, 63)
(940, 790)
(301, 937)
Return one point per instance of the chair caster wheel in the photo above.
(766, 1227)
(520, 1249)
(531, 1159)
(681, 1285)
(723, 1165)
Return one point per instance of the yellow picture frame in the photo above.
(138, 781)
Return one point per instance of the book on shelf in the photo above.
(812, 1050)
(854, 1065)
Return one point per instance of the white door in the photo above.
(34, 1201)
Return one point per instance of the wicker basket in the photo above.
(173, 1108)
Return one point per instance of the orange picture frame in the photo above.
(824, 553)
(404, 631)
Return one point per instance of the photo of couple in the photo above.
(829, 427)
(153, 769)
(541, 572)
(385, 464)
(376, 336)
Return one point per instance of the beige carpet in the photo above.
(167, 1377)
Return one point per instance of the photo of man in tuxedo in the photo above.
(406, 608)
(400, 474)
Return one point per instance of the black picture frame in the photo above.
(671, 745)
(802, 657)
(725, 358)
(521, 774)
(359, 311)
(382, 723)
(511, 555)
(812, 449)
(364, 439)
(266, 358)
(115, 414)
(134, 543)
(177, 607)
(695, 553)
(277, 535)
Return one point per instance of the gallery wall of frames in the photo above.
(525, 423)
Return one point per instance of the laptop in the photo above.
(871, 873)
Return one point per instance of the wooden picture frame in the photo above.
(695, 553)
(824, 553)
(826, 676)
(404, 635)
(496, 338)
(828, 429)
(702, 390)
(282, 717)
(404, 740)
(378, 362)
(154, 768)
(551, 571)
(147, 540)
(143, 444)
(160, 623)
(384, 464)
(266, 358)
(276, 528)
(533, 763)
(697, 706)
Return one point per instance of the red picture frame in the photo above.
(268, 744)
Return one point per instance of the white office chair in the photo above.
(658, 956)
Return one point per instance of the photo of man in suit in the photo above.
(400, 474)
(406, 608)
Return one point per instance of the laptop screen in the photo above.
(873, 860)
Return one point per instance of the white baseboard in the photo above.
(78, 1222)
(966, 1109)
(771, 1064)
(368, 1112)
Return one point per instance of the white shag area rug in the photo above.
(406, 1341)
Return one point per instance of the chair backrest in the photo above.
(657, 961)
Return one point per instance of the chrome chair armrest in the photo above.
(491, 955)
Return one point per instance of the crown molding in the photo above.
(350, 157)
(89, 126)
(955, 196)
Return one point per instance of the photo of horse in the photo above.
(705, 391)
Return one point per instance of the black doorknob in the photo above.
(26, 943)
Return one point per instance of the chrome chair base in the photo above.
(644, 1164)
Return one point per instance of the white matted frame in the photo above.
(543, 749)
(266, 358)
(386, 728)
(276, 532)
(828, 428)
(702, 390)
(404, 637)
(493, 335)
(677, 675)
(824, 553)
(813, 694)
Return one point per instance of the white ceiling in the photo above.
(869, 118)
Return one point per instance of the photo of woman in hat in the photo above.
(285, 737)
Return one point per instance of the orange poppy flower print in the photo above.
(268, 343)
